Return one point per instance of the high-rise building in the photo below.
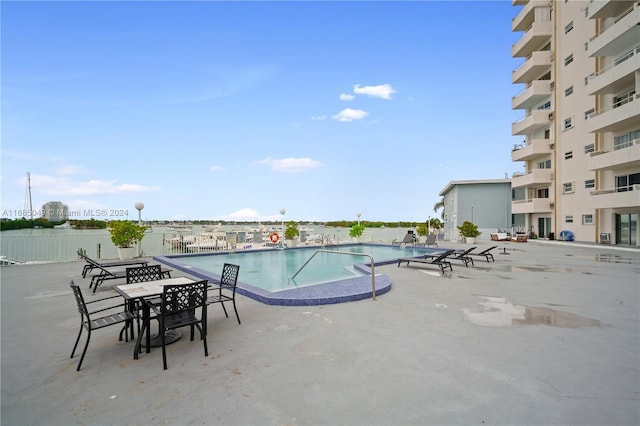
(55, 211)
(580, 132)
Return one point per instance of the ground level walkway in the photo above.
(549, 333)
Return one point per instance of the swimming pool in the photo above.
(265, 275)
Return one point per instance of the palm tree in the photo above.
(439, 205)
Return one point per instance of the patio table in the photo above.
(142, 291)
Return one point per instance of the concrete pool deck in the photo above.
(547, 334)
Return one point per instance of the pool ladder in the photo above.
(373, 275)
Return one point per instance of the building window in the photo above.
(589, 184)
(587, 219)
(568, 91)
(568, 60)
(568, 27)
(625, 141)
(567, 188)
(588, 149)
(568, 219)
(568, 123)
(625, 182)
(543, 193)
(588, 112)
(546, 105)
(546, 164)
(568, 155)
(623, 99)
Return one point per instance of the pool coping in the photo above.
(339, 291)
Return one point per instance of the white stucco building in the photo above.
(578, 91)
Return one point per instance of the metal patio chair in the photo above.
(104, 319)
(178, 309)
(225, 291)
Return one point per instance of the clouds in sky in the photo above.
(349, 114)
(381, 91)
(66, 186)
(291, 165)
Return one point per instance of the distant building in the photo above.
(486, 203)
(579, 83)
(55, 211)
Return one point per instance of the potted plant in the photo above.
(356, 231)
(290, 232)
(469, 231)
(125, 235)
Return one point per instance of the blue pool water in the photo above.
(266, 275)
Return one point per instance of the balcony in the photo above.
(611, 199)
(525, 17)
(536, 92)
(532, 205)
(614, 117)
(615, 76)
(618, 37)
(612, 159)
(536, 65)
(600, 9)
(534, 39)
(535, 177)
(533, 121)
(535, 149)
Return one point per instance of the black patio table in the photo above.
(145, 290)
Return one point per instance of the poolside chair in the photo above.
(485, 253)
(409, 238)
(109, 315)
(439, 259)
(225, 290)
(106, 275)
(93, 264)
(432, 240)
(178, 309)
(463, 255)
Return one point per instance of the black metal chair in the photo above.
(141, 274)
(144, 273)
(91, 322)
(225, 291)
(178, 309)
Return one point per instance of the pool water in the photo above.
(273, 269)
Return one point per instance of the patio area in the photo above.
(549, 333)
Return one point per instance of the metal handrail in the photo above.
(373, 275)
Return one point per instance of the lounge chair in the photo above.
(106, 274)
(463, 255)
(432, 240)
(93, 264)
(485, 253)
(408, 239)
(439, 259)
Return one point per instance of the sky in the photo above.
(232, 111)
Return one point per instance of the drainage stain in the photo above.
(499, 312)
(610, 258)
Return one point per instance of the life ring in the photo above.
(274, 237)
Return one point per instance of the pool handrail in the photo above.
(373, 275)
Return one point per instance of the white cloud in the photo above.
(291, 165)
(349, 114)
(53, 185)
(383, 91)
(248, 215)
(346, 97)
(319, 118)
(215, 168)
(70, 169)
